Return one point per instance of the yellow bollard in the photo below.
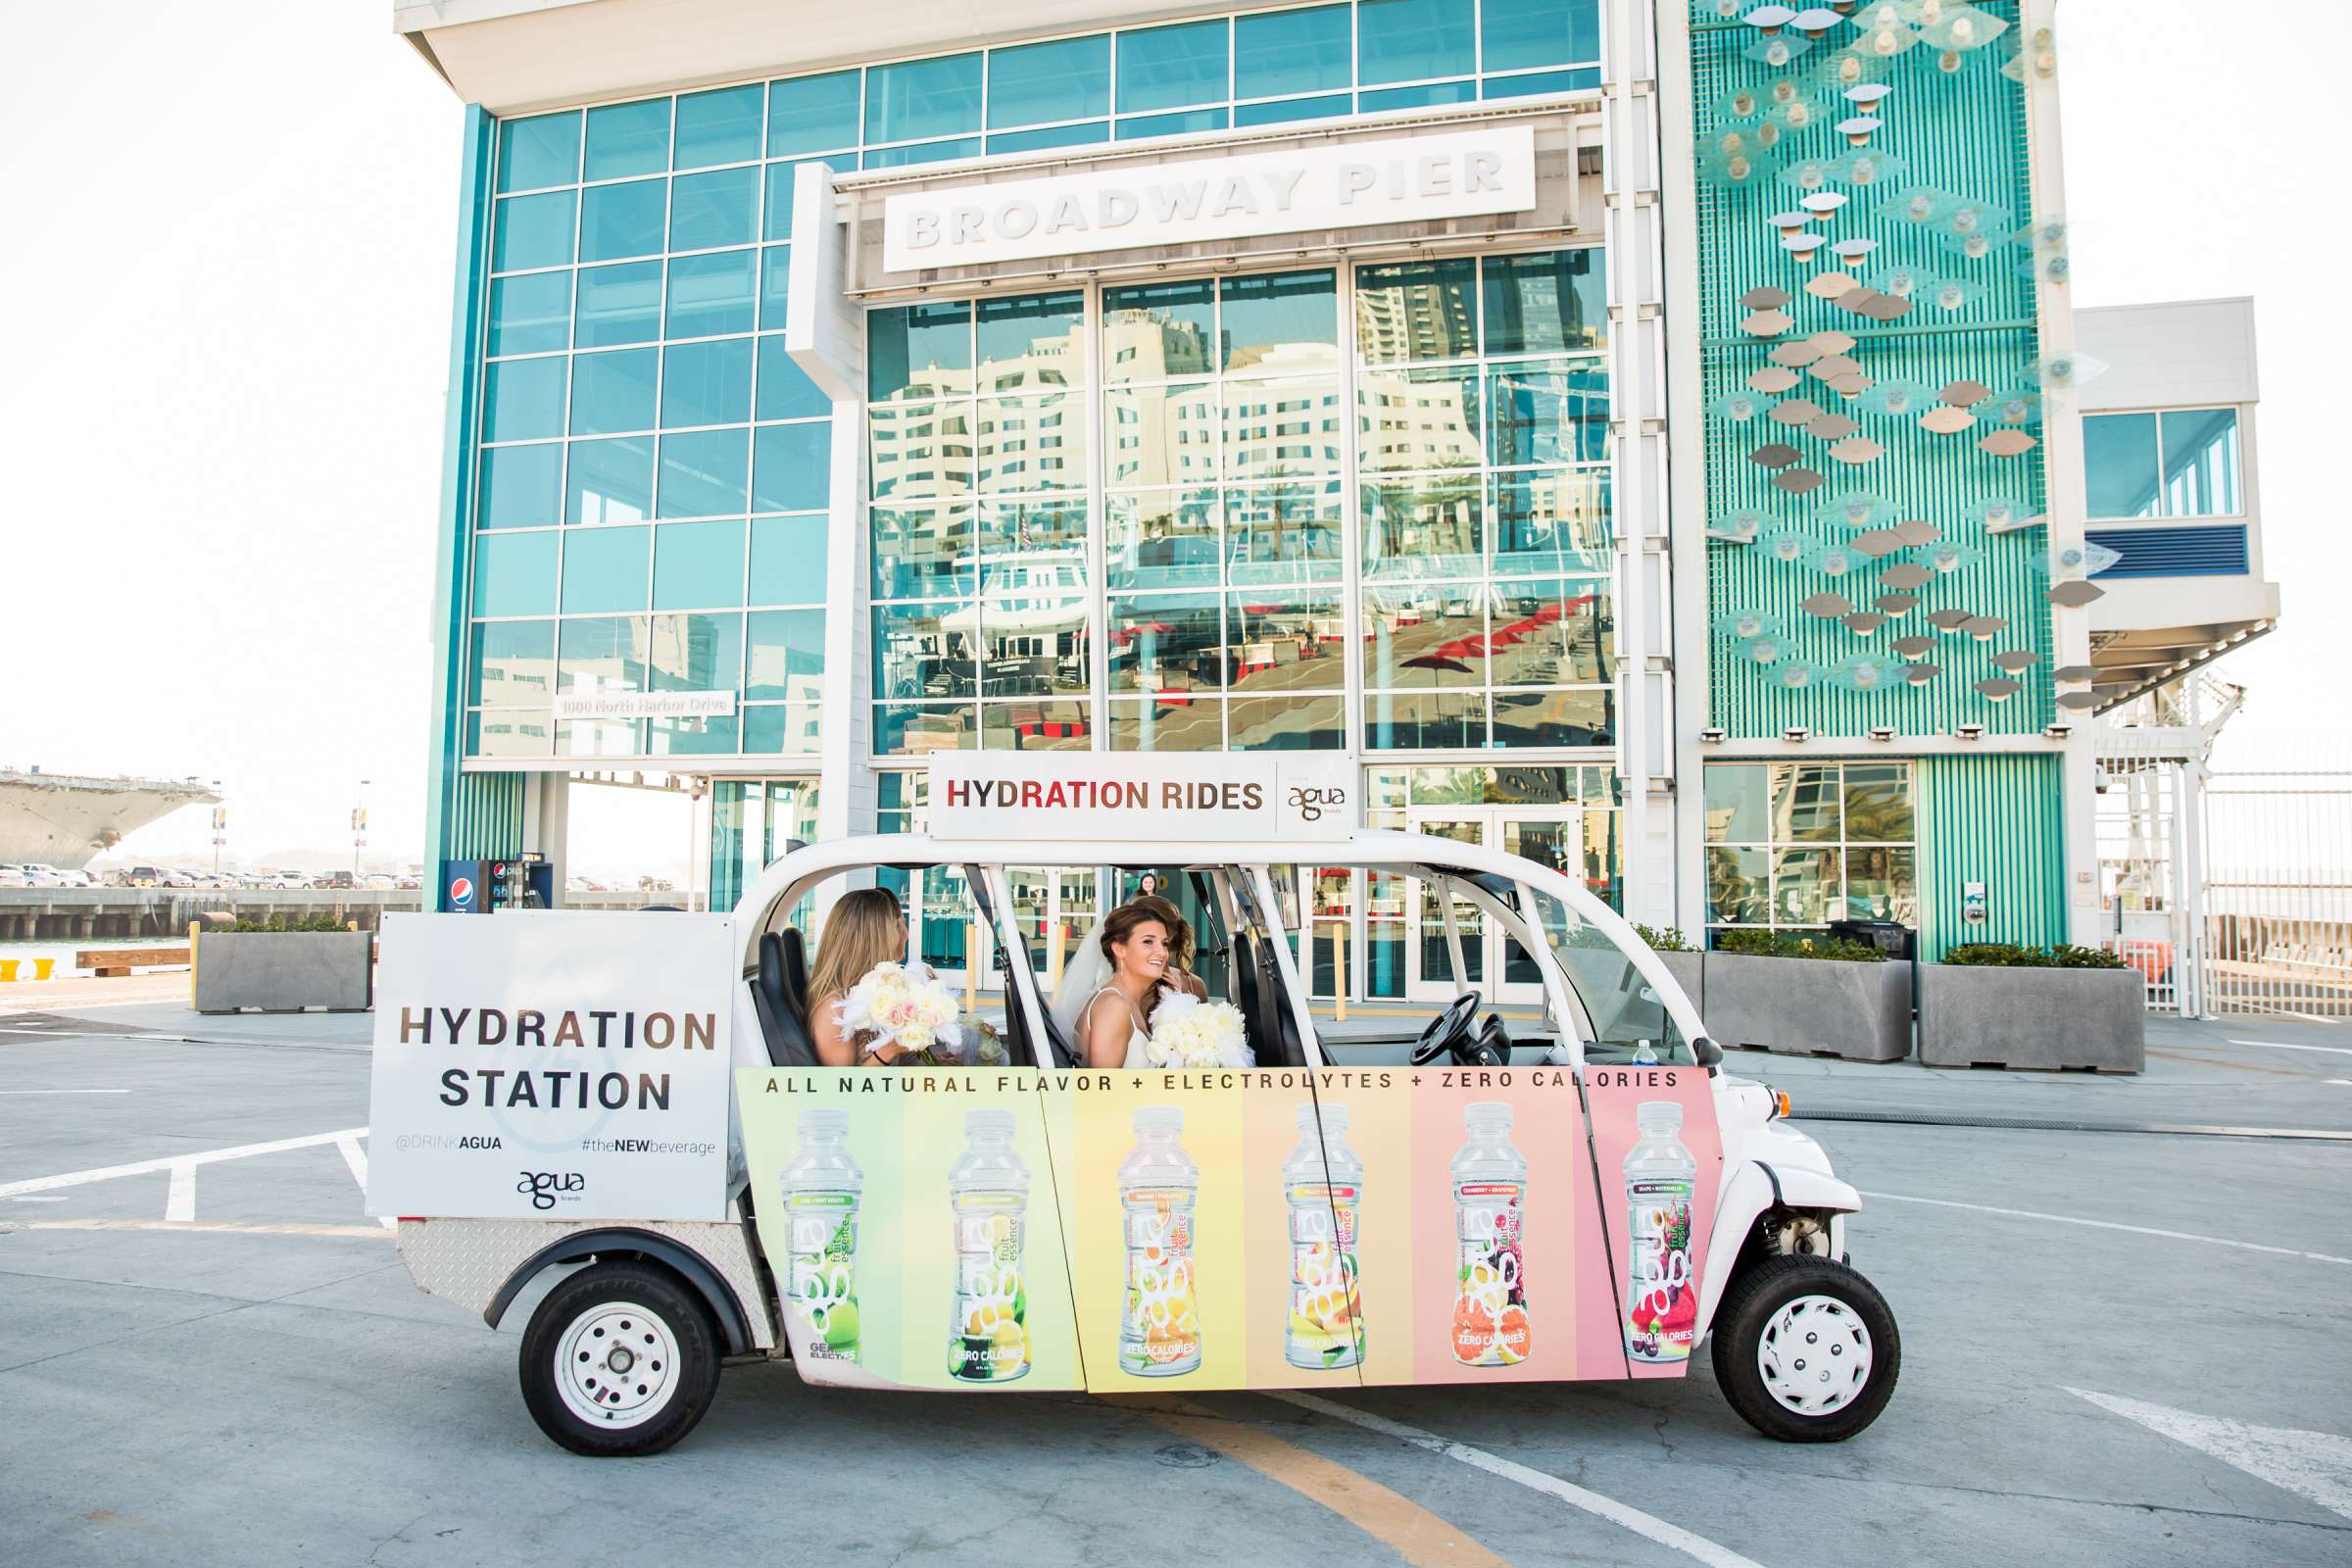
(8, 968)
(43, 968)
(1338, 971)
(193, 928)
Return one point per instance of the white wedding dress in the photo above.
(1087, 978)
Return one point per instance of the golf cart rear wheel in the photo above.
(1806, 1349)
(621, 1359)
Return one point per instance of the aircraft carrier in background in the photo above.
(62, 819)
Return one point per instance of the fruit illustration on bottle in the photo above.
(822, 1187)
(1661, 1295)
(988, 1189)
(1490, 1197)
(1159, 1330)
(1324, 1182)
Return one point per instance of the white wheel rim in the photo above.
(616, 1366)
(1815, 1355)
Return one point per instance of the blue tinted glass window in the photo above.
(713, 294)
(625, 140)
(1405, 40)
(703, 472)
(697, 564)
(601, 656)
(1263, 316)
(2119, 459)
(785, 390)
(923, 98)
(924, 152)
(788, 560)
(604, 568)
(617, 220)
(1523, 34)
(521, 486)
(1177, 124)
(792, 471)
(1545, 303)
(720, 207)
(775, 284)
(1292, 51)
(614, 391)
(1029, 141)
(707, 384)
(1537, 83)
(514, 574)
(1168, 68)
(1425, 96)
(541, 151)
(813, 115)
(1285, 110)
(697, 654)
(719, 127)
(780, 181)
(530, 313)
(522, 400)
(611, 481)
(2200, 463)
(620, 304)
(533, 231)
(904, 342)
(1068, 78)
(1048, 327)
(511, 664)
(785, 654)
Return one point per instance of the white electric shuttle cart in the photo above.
(622, 1354)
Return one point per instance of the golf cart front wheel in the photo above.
(1806, 1349)
(621, 1359)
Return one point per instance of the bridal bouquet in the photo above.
(909, 1006)
(1187, 1032)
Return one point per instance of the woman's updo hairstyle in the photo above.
(1119, 929)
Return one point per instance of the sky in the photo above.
(223, 406)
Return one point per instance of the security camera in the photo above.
(1711, 736)
(2057, 732)
(1967, 732)
(1881, 733)
(1796, 734)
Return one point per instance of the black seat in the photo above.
(795, 954)
(781, 1023)
(1264, 1003)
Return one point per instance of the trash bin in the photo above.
(1890, 937)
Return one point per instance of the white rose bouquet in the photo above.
(909, 1006)
(1187, 1032)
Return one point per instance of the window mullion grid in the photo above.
(1097, 505)
(1351, 562)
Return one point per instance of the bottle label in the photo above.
(1489, 1304)
(989, 1339)
(1327, 1326)
(1661, 1316)
(1160, 1333)
(822, 1233)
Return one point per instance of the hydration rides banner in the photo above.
(944, 1228)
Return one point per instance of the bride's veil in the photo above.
(1088, 972)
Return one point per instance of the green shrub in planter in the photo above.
(2014, 955)
(1662, 939)
(1785, 944)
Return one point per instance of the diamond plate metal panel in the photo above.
(469, 1261)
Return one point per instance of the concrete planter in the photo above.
(1810, 1007)
(1987, 1016)
(1687, 969)
(286, 971)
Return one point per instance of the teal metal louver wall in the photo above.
(1993, 820)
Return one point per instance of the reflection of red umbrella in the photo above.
(1460, 648)
(1261, 610)
(1546, 615)
(1435, 662)
(1502, 639)
(1156, 625)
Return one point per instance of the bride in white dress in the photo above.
(1113, 984)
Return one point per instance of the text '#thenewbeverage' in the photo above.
(988, 1341)
(1324, 1183)
(1662, 1302)
(1159, 1329)
(1490, 1198)
(822, 1187)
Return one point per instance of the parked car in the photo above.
(405, 883)
(172, 878)
(334, 879)
(11, 875)
(141, 877)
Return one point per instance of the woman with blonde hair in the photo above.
(865, 928)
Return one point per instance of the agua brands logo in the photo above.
(1311, 804)
(546, 1186)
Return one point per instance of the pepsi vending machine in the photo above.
(484, 887)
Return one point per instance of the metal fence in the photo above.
(2277, 893)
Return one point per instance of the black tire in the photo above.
(1747, 1314)
(674, 1350)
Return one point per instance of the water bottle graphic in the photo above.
(1160, 1331)
(1324, 1182)
(1661, 1302)
(822, 1187)
(988, 1340)
(1490, 1199)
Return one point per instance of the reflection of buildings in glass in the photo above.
(1029, 625)
(1414, 322)
(1005, 426)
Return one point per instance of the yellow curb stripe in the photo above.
(207, 1227)
(1412, 1532)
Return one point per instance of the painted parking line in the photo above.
(2111, 1225)
(5, 1091)
(1412, 1532)
(196, 1227)
(173, 1162)
(2315, 1466)
(2280, 1045)
(1648, 1526)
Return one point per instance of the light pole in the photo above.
(359, 831)
(220, 835)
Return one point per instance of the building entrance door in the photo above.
(1494, 963)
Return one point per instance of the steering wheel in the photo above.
(1447, 1030)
